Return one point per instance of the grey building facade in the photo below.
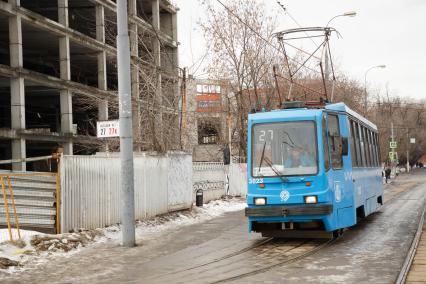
(58, 74)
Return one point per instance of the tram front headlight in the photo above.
(260, 201)
(311, 199)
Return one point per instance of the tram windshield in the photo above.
(284, 149)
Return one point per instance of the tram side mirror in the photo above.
(345, 146)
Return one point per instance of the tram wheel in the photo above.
(337, 233)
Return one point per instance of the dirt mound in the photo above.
(6, 263)
(64, 242)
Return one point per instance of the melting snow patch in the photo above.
(38, 247)
(168, 222)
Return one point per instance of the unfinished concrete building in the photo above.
(58, 75)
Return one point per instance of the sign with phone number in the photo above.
(108, 128)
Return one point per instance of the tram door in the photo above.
(340, 179)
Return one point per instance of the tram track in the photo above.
(406, 267)
(284, 259)
(262, 257)
(258, 258)
(236, 253)
(320, 246)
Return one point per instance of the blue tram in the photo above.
(311, 171)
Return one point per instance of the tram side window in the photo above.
(370, 157)
(324, 139)
(362, 144)
(374, 149)
(352, 141)
(376, 144)
(334, 142)
(357, 144)
(367, 147)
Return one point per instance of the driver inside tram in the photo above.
(299, 157)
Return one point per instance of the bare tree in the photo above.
(240, 54)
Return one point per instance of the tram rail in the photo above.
(286, 258)
(407, 266)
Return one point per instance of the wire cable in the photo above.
(267, 41)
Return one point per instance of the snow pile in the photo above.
(146, 228)
(64, 242)
(35, 245)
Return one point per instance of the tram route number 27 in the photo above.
(266, 134)
(108, 128)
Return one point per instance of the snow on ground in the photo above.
(38, 248)
(146, 229)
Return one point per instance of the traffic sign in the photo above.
(392, 145)
(412, 140)
(392, 156)
(108, 128)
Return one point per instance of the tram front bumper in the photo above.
(289, 210)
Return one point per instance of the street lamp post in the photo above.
(326, 67)
(365, 85)
(346, 14)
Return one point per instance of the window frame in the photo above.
(276, 122)
(354, 154)
(336, 115)
(324, 137)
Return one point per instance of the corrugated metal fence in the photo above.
(90, 191)
(35, 199)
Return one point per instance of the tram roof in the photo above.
(309, 113)
(344, 108)
(296, 113)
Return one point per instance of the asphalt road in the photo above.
(221, 249)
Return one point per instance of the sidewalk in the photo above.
(417, 272)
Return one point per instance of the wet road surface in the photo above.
(221, 250)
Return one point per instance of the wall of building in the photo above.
(207, 131)
(58, 71)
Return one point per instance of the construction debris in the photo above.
(64, 242)
(6, 263)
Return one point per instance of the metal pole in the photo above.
(326, 66)
(408, 152)
(327, 75)
(126, 134)
(365, 94)
(393, 149)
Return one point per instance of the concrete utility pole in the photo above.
(126, 135)
(393, 150)
(408, 152)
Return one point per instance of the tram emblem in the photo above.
(285, 195)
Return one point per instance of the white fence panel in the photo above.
(180, 182)
(90, 189)
(210, 177)
(238, 179)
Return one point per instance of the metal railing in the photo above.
(6, 206)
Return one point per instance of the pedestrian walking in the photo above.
(387, 173)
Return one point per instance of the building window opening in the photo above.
(208, 134)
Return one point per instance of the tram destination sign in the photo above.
(107, 129)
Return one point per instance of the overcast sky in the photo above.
(390, 32)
